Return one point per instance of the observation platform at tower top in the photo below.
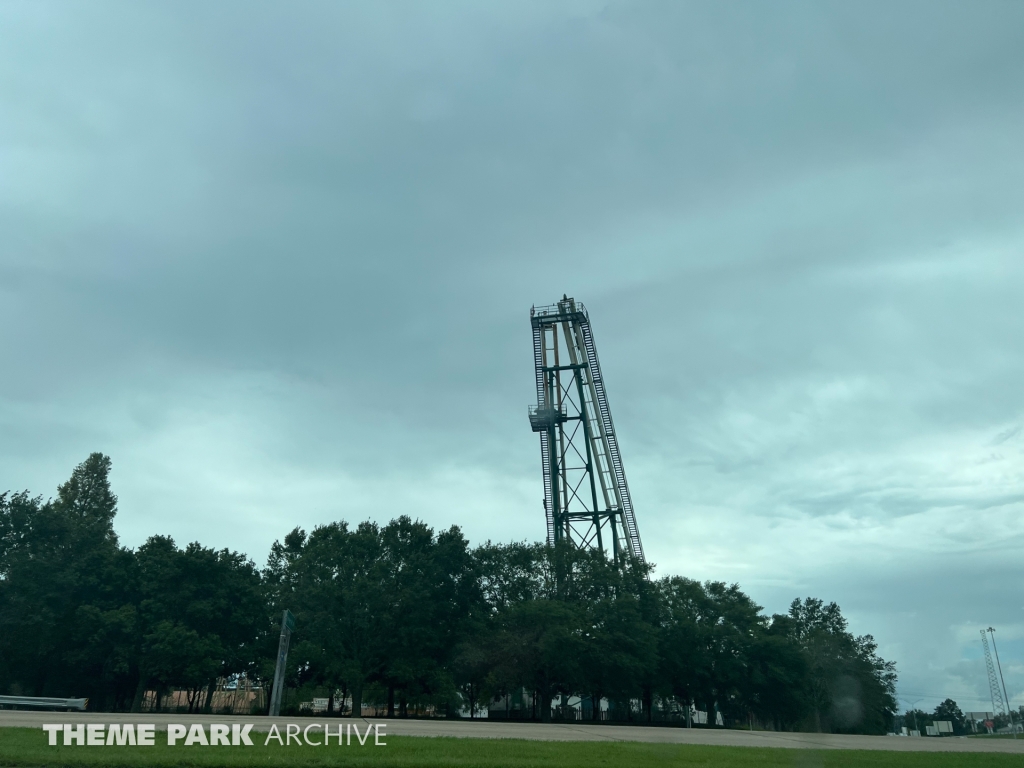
(565, 307)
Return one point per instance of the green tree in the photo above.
(708, 636)
(508, 576)
(335, 582)
(852, 689)
(948, 710)
(432, 597)
(916, 719)
(684, 646)
(779, 682)
(66, 617)
(471, 667)
(620, 649)
(734, 625)
(410, 615)
(512, 573)
(200, 615)
(539, 646)
(377, 604)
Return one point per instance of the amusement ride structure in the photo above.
(586, 497)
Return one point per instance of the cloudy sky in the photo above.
(277, 261)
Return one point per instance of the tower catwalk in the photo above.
(585, 493)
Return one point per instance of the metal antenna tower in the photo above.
(993, 679)
(585, 493)
(1009, 712)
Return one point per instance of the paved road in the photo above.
(554, 732)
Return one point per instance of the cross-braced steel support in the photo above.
(998, 706)
(585, 493)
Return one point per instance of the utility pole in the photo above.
(913, 711)
(287, 625)
(1009, 712)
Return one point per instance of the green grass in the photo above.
(28, 747)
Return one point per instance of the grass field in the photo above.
(28, 747)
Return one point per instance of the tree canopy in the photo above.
(418, 616)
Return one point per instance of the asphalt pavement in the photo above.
(484, 729)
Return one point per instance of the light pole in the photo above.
(1009, 712)
(913, 711)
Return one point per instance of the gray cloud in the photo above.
(276, 260)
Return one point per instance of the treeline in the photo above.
(948, 710)
(416, 616)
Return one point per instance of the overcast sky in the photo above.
(277, 261)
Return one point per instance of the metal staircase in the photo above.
(613, 444)
(545, 449)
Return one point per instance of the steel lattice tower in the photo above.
(585, 493)
(993, 679)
